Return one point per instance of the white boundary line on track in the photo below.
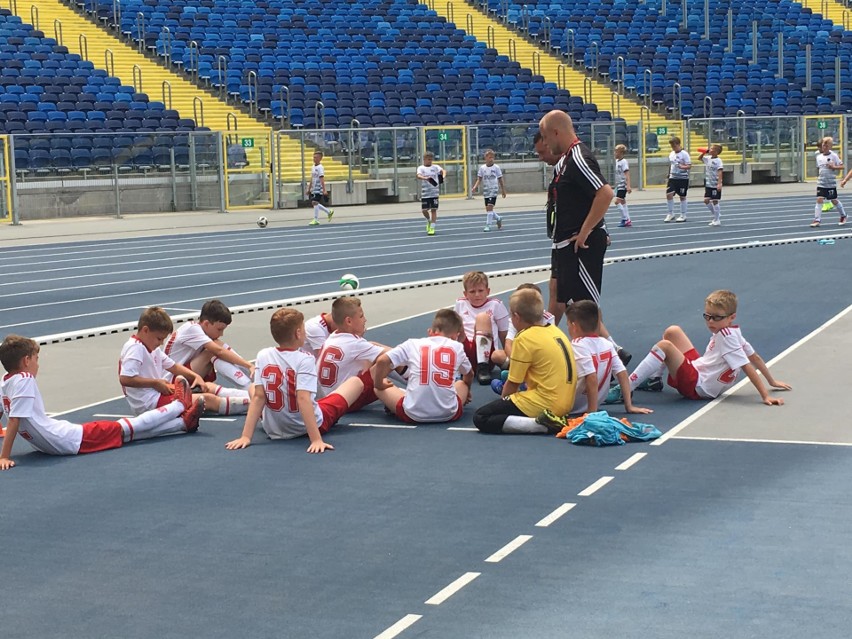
(508, 549)
(764, 441)
(711, 405)
(394, 630)
(544, 522)
(326, 297)
(445, 593)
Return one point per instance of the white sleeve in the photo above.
(463, 361)
(499, 172)
(481, 171)
(306, 374)
(585, 365)
(131, 364)
(501, 316)
(401, 354)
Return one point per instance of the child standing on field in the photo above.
(828, 163)
(678, 184)
(317, 192)
(622, 185)
(707, 376)
(491, 177)
(22, 401)
(285, 386)
(484, 318)
(713, 171)
(431, 177)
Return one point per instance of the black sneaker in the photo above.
(552, 422)
(624, 356)
(653, 384)
(483, 374)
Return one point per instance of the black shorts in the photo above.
(712, 194)
(322, 198)
(621, 194)
(491, 201)
(679, 187)
(828, 194)
(580, 274)
(429, 203)
(553, 264)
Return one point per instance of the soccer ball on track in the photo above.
(262, 222)
(349, 282)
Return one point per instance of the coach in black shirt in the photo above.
(582, 199)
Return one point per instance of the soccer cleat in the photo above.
(669, 217)
(486, 229)
(815, 224)
(428, 225)
(483, 374)
(624, 356)
(625, 224)
(715, 223)
(330, 214)
(652, 385)
(552, 422)
(313, 223)
(192, 414)
(680, 218)
(827, 206)
(499, 223)
(842, 220)
(614, 396)
(430, 230)
(182, 392)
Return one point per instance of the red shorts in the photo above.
(470, 350)
(332, 407)
(368, 396)
(101, 435)
(401, 414)
(687, 376)
(165, 400)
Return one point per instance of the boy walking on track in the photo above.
(679, 165)
(491, 177)
(431, 177)
(318, 193)
(713, 170)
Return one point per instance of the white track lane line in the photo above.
(710, 406)
(508, 549)
(765, 441)
(365, 425)
(627, 463)
(544, 522)
(463, 428)
(445, 593)
(406, 622)
(595, 487)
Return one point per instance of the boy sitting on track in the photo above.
(22, 401)
(198, 345)
(433, 393)
(284, 389)
(543, 359)
(502, 356)
(317, 330)
(483, 318)
(143, 365)
(709, 375)
(346, 353)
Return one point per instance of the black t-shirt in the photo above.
(576, 184)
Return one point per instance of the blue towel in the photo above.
(599, 429)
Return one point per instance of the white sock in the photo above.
(484, 344)
(489, 218)
(712, 209)
(316, 211)
(613, 342)
(670, 204)
(683, 208)
(235, 373)
(817, 212)
(233, 405)
(497, 218)
(647, 367)
(321, 208)
(221, 391)
(624, 214)
(717, 212)
(153, 423)
(840, 208)
(518, 424)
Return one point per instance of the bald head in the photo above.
(557, 131)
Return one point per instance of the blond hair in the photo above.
(621, 147)
(447, 322)
(472, 278)
(528, 304)
(723, 300)
(344, 307)
(284, 323)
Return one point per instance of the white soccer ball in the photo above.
(262, 222)
(349, 282)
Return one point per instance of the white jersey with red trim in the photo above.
(495, 309)
(512, 333)
(343, 355)
(599, 354)
(719, 367)
(137, 361)
(433, 364)
(282, 372)
(316, 332)
(22, 399)
(186, 343)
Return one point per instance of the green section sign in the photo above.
(662, 130)
(443, 136)
(248, 143)
(820, 124)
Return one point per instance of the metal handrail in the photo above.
(137, 78)
(116, 13)
(706, 19)
(596, 56)
(708, 112)
(232, 116)
(504, 6)
(222, 70)
(83, 41)
(281, 97)
(684, 13)
(140, 31)
(615, 104)
(489, 37)
(536, 63)
(619, 73)
(808, 72)
(451, 14)
(167, 85)
(469, 23)
(57, 31)
(780, 54)
(193, 57)
(319, 114)
(570, 38)
(525, 18)
(252, 95)
(561, 76)
(677, 97)
(513, 50)
(34, 16)
(166, 34)
(846, 20)
(648, 84)
(754, 42)
(588, 87)
(109, 62)
(730, 47)
(546, 29)
(198, 105)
